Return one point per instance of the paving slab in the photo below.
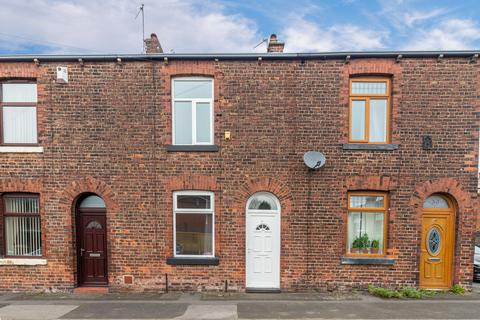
(359, 310)
(210, 312)
(37, 312)
(127, 311)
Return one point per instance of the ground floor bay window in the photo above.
(193, 224)
(21, 214)
(366, 223)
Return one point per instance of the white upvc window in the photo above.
(192, 111)
(18, 113)
(193, 224)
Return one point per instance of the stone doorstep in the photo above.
(97, 290)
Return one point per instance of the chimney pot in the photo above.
(152, 45)
(274, 46)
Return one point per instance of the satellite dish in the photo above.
(314, 159)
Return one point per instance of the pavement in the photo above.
(230, 306)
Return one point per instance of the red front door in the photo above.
(92, 249)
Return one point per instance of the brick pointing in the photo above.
(105, 132)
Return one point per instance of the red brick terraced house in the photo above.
(185, 171)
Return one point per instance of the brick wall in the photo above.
(106, 130)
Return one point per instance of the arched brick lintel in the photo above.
(447, 186)
(370, 183)
(373, 66)
(191, 182)
(88, 185)
(21, 185)
(264, 184)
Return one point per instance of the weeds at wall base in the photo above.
(412, 293)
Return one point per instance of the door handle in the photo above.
(81, 251)
(434, 259)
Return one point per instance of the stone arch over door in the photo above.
(465, 211)
(68, 204)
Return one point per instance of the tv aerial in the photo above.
(314, 160)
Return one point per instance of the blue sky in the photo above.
(109, 26)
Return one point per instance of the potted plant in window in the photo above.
(375, 246)
(356, 245)
(365, 242)
(360, 244)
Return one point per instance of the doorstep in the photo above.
(97, 290)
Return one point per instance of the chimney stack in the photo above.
(152, 45)
(274, 45)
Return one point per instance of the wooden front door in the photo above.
(92, 249)
(436, 261)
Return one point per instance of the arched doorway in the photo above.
(91, 241)
(263, 242)
(438, 239)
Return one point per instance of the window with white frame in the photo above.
(193, 220)
(18, 102)
(192, 105)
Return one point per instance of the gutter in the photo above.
(244, 56)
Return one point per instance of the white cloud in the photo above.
(452, 34)
(414, 17)
(109, 26)
(302, 35)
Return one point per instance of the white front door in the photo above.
(263, 249)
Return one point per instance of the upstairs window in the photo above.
(21, 214)
(18, 102)
(369, 110)
(192, 105)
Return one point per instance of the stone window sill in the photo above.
(366, 146)
(22, 262)
(263, 290)
(368, 260)
(21, 149)
(178, 261)
(192, 148)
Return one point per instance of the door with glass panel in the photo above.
(263, 242)
(92, 242)
(436, 259)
